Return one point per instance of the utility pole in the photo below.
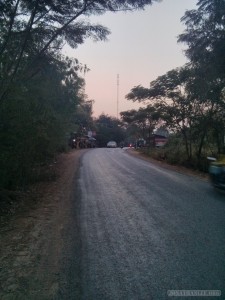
(118, 83)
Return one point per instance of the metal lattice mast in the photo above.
(118, 83)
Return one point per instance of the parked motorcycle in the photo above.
(217, 172)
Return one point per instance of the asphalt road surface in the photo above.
(146, 230)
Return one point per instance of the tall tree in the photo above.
(176, 105)
(34, 125)
(145, 120)
(205, 37)
(108, 128)
(32, 29)
(40, 90)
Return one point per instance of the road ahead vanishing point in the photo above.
(146, 230)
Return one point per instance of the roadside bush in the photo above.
(156, 153)
(175, 151)
(27, 140)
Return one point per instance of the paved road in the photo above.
(146, 230)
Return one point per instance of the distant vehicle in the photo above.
(111, 144)
(217, 172)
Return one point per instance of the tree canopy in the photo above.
(205, 37)
(191, 98)
(42, 92)
(108, 129)
(32, 29)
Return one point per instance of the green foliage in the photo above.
(41, 94)
(34, 122)
(174, 151)
(32, 30)
(187, 103)
(191, 99)
(109, 129)
(143, 120)
(204, 36)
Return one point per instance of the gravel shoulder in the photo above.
(33, 239)
(164, 164)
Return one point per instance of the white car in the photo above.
(111, 144)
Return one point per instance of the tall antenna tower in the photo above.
(118, 84)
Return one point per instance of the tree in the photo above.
(32, 29)
(143, 120)
(108, 129)
(180, 105)
(205, 37)
(173, 106)
(83, 119)
(34, 125)
(191, 99)
(41, 93)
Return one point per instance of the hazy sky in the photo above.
(142, 46)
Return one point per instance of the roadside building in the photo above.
(157, 140)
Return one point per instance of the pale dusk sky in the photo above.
(142, 46)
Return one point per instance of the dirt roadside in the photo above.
(32, 240)
(164, 164)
